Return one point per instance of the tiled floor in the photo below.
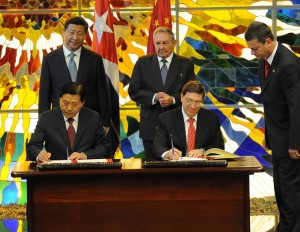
(258, 223)
(264, 223)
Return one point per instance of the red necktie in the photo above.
(71, 131)
(266, 68)
(191, 134)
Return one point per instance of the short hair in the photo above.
(193, 87)
(77, 21)
(164, 30)
(259, 31)
(74, 88)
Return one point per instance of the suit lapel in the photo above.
(172, 72)
(156, 73)
(83, 65)
(198, 139)
(61, 126)
(180, 127)
(80, 127)
(62, 65)
(272, 70)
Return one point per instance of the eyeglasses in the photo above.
(190, 102)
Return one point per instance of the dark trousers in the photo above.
(286, 177)
(148, 147)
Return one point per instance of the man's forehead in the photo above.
(162, 36)
(75, 27)
(71, 98)
(254, 43)
(193, 95)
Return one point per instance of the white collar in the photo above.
(75, 117)
(67, 51)
(169, 59)
(271, 57)
(185, 117)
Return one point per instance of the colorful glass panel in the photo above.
(212, 37)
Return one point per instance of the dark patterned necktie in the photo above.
(72, 67)
(71, 131)
(164, 71)
(191, 134)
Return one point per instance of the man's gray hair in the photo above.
(164, 30)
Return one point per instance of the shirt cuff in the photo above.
(164, 154)
(174, 101)
(153, 100)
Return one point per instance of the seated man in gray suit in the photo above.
(69, 131)
(190, 129)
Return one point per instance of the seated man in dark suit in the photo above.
(69, 131)
(189, 129)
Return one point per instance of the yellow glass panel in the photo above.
(221, 3)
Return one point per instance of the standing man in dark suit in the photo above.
(90, 71)
(176, 127)
(280, 94)
(156, 82)
(53, 128)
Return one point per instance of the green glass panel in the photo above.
(288, 28)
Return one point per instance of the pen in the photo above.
(172, 146)
(67, 153)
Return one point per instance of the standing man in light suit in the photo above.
(279, 76)
(156, 83)
(89, 70)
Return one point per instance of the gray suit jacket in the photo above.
(208, 133)
(146, 81)
(55, 74)
(51, 131)
(280, 94)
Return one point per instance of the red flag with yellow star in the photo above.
(161, 17)
(104, 44)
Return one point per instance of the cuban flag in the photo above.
(104, 45)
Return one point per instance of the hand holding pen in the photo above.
(43, 156)
(78, 156)
(175, 153)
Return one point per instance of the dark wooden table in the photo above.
(135, 199)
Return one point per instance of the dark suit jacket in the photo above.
(280, 94)
(51, 129)
(146, 81)
(55, 74)
(208, 133)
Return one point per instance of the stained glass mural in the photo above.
(213, 38)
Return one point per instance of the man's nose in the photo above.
(193, 104)
(75, 36)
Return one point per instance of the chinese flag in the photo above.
(161, 17)
(104, 44)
